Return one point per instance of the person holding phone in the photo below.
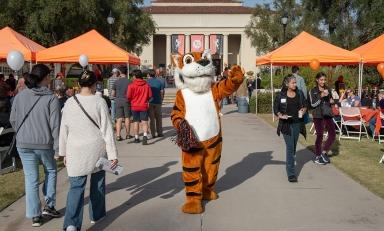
(290, 106)
(320, 98)
(86, 135)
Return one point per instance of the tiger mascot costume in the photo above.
(195, 116)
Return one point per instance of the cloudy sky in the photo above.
(247, 2)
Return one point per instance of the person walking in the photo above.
(35, 116)
(155, 119)
(321, 99)
(300, 82)
(123, 107)
(290, 106)
(86, 135)
(139, 93)
(111, 84)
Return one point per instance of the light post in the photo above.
(110, 20)
(284, 22)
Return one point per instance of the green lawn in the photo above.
(12, 185)
(357, 159)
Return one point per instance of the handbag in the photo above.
(326, 110)
(12, 146)
(85, 112)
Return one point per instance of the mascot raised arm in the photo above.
(195, 116)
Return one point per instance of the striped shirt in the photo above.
(111, 83)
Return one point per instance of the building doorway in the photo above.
(159, 51)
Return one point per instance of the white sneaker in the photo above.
(94, 222)
(71, 228)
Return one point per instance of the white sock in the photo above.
(136, 136)
(145, 134)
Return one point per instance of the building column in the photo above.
(168, 50)
(206, 42)
(225, 51)
(187, 43)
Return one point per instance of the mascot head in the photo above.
(194, 71)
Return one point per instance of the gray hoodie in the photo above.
(41, 129)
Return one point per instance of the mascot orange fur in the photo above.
(196, 118)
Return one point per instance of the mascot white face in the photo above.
(194, 71)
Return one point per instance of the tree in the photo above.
(265, 28)
(369, 19)
(50, 22)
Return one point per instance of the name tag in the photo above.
(283, 100)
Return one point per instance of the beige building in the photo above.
(194, 25)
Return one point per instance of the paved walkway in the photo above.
(254, 192)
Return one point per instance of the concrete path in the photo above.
(253, 187)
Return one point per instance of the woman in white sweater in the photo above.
(86, 134)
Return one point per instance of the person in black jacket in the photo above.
(320, 98)
(290, 106)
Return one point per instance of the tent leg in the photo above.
(273, 115)
(128, 70)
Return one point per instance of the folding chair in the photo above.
(355, 120)
(3, 153)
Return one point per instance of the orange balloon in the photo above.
(314, 64)
(380, 69)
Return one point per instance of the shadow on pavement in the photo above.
(168, 132)
(135, 181)
(248, 167)
(165, 187)
(302, 157)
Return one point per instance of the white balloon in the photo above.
(83, 60)
(15, 60)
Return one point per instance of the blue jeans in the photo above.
(113, 110)
(372, 125)
(31, 159)
(291, 143)
(75, 199)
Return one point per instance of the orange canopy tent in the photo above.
(372, 52)
(305, 47)
(11, 40)
(98, 49)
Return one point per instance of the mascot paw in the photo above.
(192, 206)
(236, 74)
(210, 195)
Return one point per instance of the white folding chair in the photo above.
(354, 113)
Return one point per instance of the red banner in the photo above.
(197, 43)
(216, 44)
(178, 44)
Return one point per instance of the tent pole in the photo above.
(360, 78)
(273, 115)
(128, 70)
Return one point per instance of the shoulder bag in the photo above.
(12, 146)
(85, 112)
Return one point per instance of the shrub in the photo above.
(263, 103)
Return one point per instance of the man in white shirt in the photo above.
(300, 81)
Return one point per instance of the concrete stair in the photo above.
(169, 96)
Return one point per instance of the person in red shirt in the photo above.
(139, 93)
